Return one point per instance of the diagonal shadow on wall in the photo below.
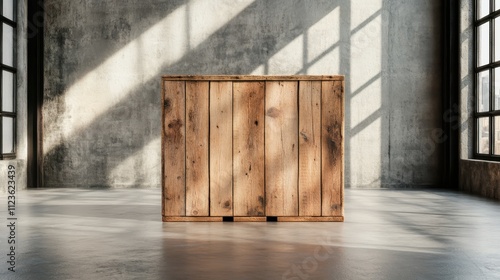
(95, 40)
(245, 42)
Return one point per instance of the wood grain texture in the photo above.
(311, 219)
(309, 148)
(253, 78)
(252, 219)
(332, 101)
(248, 148)
(197, 177)
(174, 172)
(191, 219)
(253, 147)
(249, 219)
(281, 149)
(221, 154)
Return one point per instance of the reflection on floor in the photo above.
(117, 234)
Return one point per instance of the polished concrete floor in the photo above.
(117, 234)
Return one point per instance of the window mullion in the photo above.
(492, 77)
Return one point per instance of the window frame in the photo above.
(12, 69)
(491, 113)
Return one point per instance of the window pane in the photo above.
(497, 38)
(497, 136)
(7, 91)
(8, 9)
(8, 45)
(483, 8)
(496, 89)
(483, 44)
(483, 91)
(483, 134)
(7, 135)
(497, 4)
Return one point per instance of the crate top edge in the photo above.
(253, 78)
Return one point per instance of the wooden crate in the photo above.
(253, 148)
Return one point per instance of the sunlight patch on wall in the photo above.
(289, 59)
(205, 18)
(314, 52)
(144, 163)
(366, 94)
(322, 48)
(366, 103)
(367, 149)
(140, 61)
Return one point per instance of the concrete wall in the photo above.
(104, 59)
(476, 176)
(22, 105)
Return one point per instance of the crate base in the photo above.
(254, 219)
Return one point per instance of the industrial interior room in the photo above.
(250, 139)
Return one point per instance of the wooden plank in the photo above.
(248, 148)
(332, 102)
(253, 219)
(221, 154)
(281, 149)
(197, 179)
(192, 219)
(174, 173)
(253, 78)
(249, 219)
(311, 219)
(309, 148)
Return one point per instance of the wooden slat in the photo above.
(332, 148)
(281, 149)
(253, 78)
(197, 191)
(248, 149)
(221, 154)
(192, 219)
(174, 149)
(253, 219)
(309, 148)
(249, 219)
(311, 219)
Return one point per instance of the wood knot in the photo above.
(304, 136)
(273, 112)
(167, 104)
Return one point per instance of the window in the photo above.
(8, 79)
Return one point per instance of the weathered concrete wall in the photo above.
(476, 176)
(467, 79)
(104, 60)
(22, 106)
